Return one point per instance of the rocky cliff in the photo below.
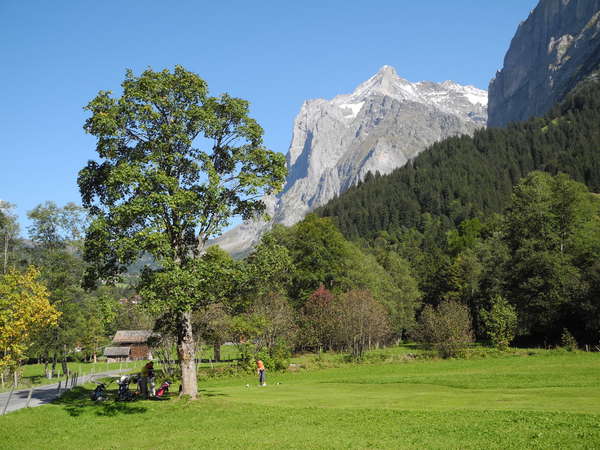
(386, 121)
(554, 49)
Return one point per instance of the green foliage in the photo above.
(52, 227)
(176, 288)
(447, 328)
(500, 322)
(541, 227)
(313, 253)
(567, 341)
(157, 190)
(269, 268)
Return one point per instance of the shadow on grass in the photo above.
(35, 379)
(77, 401)
(207, 393)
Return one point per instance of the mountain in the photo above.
(557, 47)
(465, 177)
(384, 123)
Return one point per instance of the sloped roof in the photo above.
(131, 336)
(116, 351)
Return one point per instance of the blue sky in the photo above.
(56, 55)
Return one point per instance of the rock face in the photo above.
(385, 122)
(554, 49)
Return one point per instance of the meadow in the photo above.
(535, 399)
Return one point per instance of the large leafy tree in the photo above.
(176, 165)
(542, 234)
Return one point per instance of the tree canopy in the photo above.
(176, 165)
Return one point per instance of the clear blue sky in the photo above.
(56, 55)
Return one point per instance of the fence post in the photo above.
(8, 400)
(58, 389)
(29, 397)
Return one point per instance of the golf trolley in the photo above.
(163, 389)
(125, 394)
(99, 393)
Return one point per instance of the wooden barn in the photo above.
(129, 345)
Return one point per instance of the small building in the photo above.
(117, 354)
(129, 345)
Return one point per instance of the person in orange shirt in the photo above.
(260, 369)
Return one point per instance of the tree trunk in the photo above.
(65, 368)
(47, 373)
(185, 352)
(217, 351)
(5, 249)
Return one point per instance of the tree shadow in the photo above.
(77, 401)
(207, 393)
(33, 379)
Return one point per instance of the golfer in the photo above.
(146, 376)
(260, 369)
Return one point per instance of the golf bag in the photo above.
(99, 394)
(124, 394)
(163, 389)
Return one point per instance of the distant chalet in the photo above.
(129, 345)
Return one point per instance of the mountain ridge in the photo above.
(382, 124)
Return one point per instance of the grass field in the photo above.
(549, 399)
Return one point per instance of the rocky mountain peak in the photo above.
(386, 121)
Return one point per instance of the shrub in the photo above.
(360, 322)
(567, 341)
(500, 322)
(447, 328)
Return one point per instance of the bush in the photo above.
(447, 328)
(500, 322)
(360, 322)
(567, 341)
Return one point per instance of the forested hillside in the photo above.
(465, 177)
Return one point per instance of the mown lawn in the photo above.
(546, 400)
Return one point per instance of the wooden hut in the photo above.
(117, 354)
(129, 345)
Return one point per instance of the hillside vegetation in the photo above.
(465, 177)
